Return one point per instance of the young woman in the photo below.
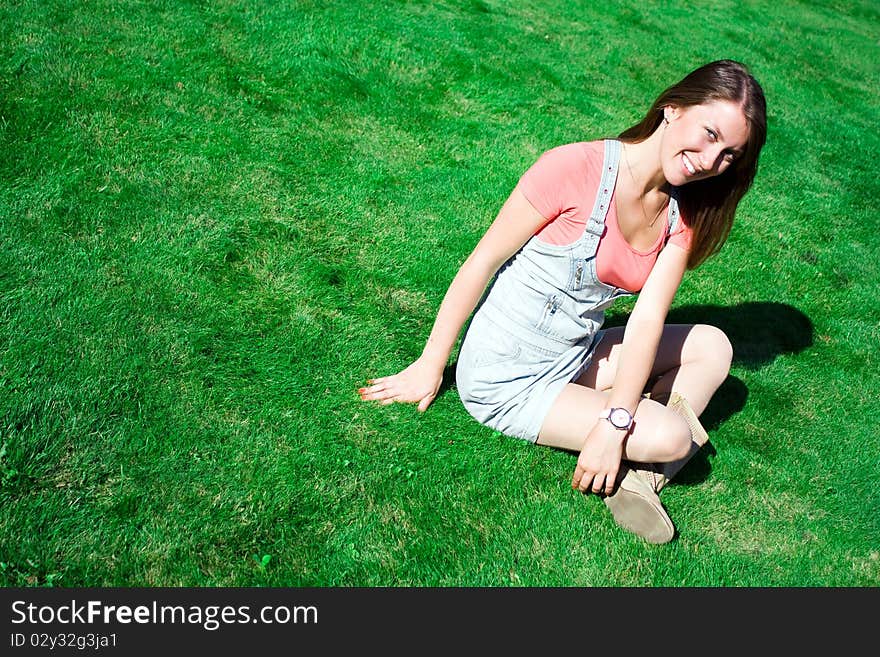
(587, 223)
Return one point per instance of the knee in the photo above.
(716, 349)
(675, 435)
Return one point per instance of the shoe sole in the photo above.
(640, 512)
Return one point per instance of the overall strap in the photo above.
(672, 214)
(596, 223)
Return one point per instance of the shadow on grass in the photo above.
(759, 332)
(448, 378)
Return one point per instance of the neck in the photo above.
(643, 160)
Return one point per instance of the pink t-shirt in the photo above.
(562, 186)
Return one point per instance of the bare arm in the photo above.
(516, 222)
(599, 460)
(641, 337)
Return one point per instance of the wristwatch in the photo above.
(620, 418)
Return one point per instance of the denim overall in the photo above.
(539, 323)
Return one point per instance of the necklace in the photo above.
(641, 197)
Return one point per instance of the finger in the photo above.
(380, 391)
(585, 482)
(598, 483)
(385, 396)
(609, 482)
(377, 387)
(576, 478)
(426, 401)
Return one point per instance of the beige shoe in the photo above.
(637, 508)
(661, 473)
(680, 405)
(635, 504)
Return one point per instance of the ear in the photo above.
(671, 112)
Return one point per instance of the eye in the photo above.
(712, 134)
(729, 156)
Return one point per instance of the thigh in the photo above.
(658, 434)
(678, 343)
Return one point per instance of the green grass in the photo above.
(218, 219)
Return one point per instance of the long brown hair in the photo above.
(709, 205)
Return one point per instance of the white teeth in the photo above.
(688, 165)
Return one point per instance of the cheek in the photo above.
(672, 145)
(672, 169)
(683, 138)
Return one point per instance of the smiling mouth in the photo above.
(688, 165)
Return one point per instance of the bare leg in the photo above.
(692, 360)
(657, 435)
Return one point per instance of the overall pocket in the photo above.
(488, 354)
(484, 347)
(551, 307)
(580, 275)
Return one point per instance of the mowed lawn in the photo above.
(218, 219)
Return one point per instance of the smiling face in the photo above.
(702, 141)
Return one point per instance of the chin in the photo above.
(675, 177)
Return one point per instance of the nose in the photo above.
(710, 159)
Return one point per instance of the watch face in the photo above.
(620, 418)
